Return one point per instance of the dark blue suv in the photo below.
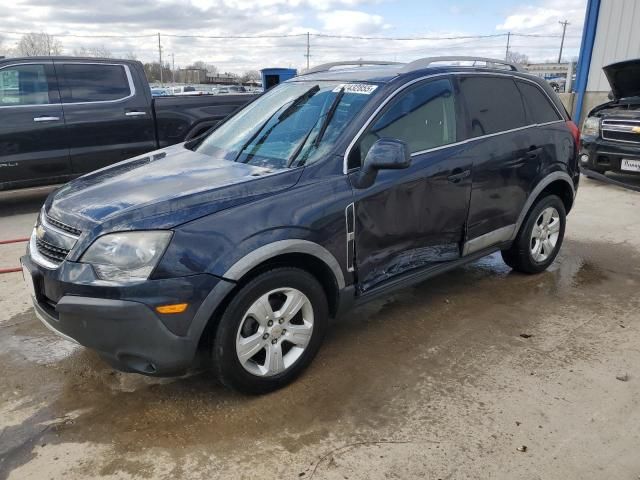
(331, 189)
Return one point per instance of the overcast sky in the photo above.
(379, 18)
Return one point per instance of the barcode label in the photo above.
(361, 88)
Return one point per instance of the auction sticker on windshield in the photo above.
(362, 88)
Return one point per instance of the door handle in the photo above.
(458, 175)
(46, 119)
(135, 114)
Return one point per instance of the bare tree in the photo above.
(516, 57)
(131, 55)
(250, 76)
(34, 44)
(200, 65)
(98, 52)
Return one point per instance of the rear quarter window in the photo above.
(539, 107)
(493, 105)
(94, 82)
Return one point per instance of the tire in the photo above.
(258, 323)
(529, 254)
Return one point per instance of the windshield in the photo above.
(292, 124)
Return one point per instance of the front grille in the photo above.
(53, 253)
(621, 130)
(63, 226)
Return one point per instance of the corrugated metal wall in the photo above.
(617, 38)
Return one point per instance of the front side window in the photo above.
(493, 104)
(423, 117)
(293, 124)
(94, 82)
(24, 85)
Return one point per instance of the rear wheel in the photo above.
(270, 331)
(540, 237)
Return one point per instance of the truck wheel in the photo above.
(540, 237)
(270, 331)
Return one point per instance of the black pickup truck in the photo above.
(611, 132)
(61, 117)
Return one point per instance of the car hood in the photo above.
(162, 189)
(624, 78)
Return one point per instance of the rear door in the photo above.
(505, 157)
(412, 218)
(107, 119)
(33, 146)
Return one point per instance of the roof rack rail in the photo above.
(328, 66)
(426, 62)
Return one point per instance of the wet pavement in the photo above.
(444, 380)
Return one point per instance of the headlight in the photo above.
(127, 256)
(591, 127)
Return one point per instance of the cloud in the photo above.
(280, 17)
(352, 22)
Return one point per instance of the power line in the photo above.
(308, 35)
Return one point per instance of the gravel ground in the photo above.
(479, 373)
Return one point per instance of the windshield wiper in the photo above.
(323, 128)
(329, 117)
(286, 113)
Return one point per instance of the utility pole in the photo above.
(308, 47)
(506, 55)
(160, 55)
(173, 68)
(564, 30)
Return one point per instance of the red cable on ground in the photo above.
(9, 270)
(15, 240)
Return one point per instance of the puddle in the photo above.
(419, 345)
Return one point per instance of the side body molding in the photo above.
(271, 250)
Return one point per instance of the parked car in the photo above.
(66, 116)
(611, 132)
(331, 189)
(160, 92)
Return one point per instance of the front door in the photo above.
(413, 218)
(107, 119)
(33, 146)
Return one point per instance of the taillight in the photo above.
(575, 131)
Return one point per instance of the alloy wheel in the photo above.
(544, 235)
(274, 332)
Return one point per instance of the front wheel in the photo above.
(270, 331)
(540, 237)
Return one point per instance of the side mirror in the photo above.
(610, 95)
(385, 154)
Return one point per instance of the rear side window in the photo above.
(423, 117)
(94, 83)
(539, 107)
(493, 104)
(23, 85)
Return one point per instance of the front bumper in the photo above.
(120, 322)
(602, 155)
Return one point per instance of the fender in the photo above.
(271, 250)
(542, 184)
(244, 265)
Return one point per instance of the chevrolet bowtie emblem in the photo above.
(635, 129)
